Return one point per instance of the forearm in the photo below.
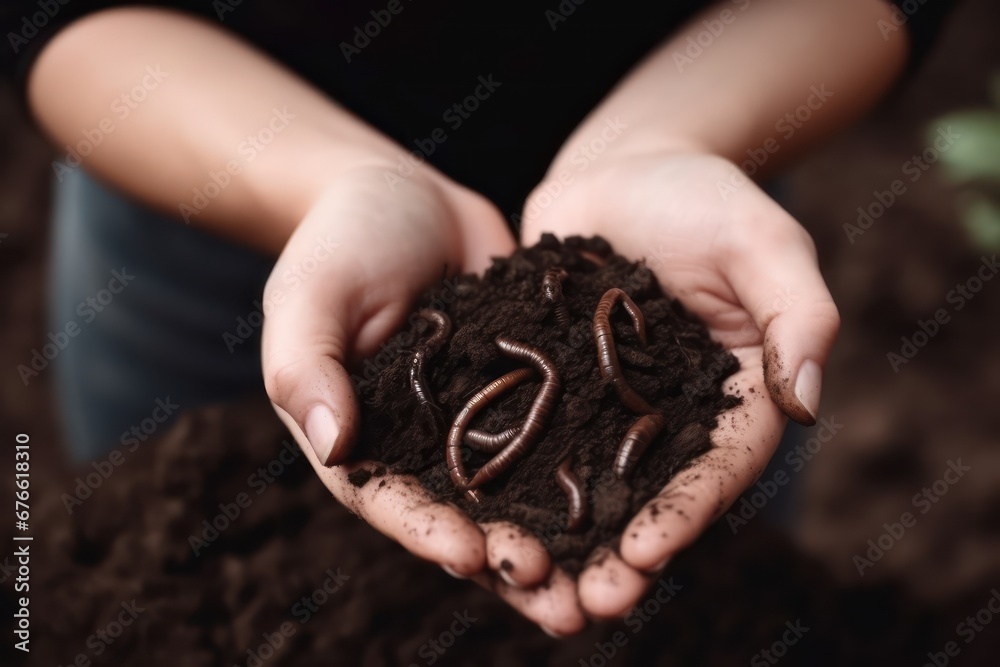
(211, 116)
(766, 59)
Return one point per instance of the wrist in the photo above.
(292, 181)
(603, 142)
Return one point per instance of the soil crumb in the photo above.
(679, 371)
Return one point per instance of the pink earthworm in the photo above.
(538, 413)
(572, 486)
(479, 400)
(635, 442)
(489, 443)
(418, 378)
(609, 365)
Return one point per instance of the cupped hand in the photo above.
(743, 265)
(344, 283)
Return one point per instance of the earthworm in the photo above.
(606, 355)
(442, 324)
(538, 413)
(594, 258)
(489, 443)
(573, 488)
(418, 380)
(635, 442)
(480, 400)
(552, 291)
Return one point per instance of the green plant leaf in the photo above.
(981, 217)
(975, 154)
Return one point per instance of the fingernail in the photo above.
(808, 385)
(509, 580)
(452, 572)
(551, 633)
(322, 430)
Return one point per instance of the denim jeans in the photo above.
(150, 300)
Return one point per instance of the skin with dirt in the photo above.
(546, 297)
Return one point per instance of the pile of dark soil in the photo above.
(270, 570)
(680, 372)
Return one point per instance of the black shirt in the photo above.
(413, 68)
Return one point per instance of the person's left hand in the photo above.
(344, 282)
(743, 265)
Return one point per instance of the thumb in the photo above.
(303, 349)
(776, 277)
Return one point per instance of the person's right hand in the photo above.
(748, 270)
(348, 277)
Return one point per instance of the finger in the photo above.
(743, 442)
(401, 509)
(553, 605)
(515, 555)
(302, 354)
(773, 271)
(609, 587)
(340, 286)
